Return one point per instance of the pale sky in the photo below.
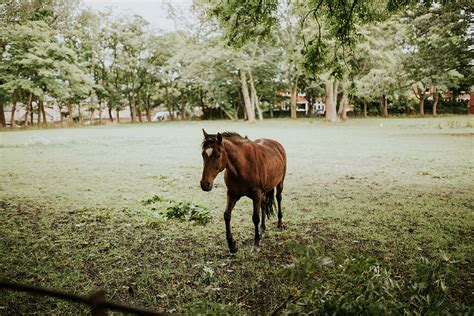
(154, 11)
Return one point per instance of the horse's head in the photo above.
(214, 158)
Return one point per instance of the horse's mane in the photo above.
(236, 137)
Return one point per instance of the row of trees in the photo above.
(349, 52)
(369, 51)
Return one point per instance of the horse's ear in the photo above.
(206, 135)
(219, 138)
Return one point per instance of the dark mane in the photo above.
(213, 138)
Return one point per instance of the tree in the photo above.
(436, 48)
(243, 21)
(37, 64)
(376, 65)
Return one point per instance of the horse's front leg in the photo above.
(257, 203)
(231, 200)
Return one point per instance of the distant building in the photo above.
(464, 96)
(302, 104)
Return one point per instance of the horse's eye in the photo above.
(218, 156)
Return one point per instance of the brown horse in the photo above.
(252, 168)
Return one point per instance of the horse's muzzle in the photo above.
(206, 185)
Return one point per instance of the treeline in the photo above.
(60, 53)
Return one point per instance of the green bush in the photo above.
(187, 211)
(180, 210)
(363, 286)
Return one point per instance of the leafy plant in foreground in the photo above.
(364, 286)
(187, 211)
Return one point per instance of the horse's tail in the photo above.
(269, 202)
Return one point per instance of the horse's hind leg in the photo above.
(263, 206)
(257, 203)
(278, 197)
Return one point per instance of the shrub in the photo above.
(364, 286)
(187, 211)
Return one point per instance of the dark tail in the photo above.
(269, 202)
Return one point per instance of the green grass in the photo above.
(396, 193)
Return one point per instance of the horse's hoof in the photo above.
(256, 248)
(233, 246)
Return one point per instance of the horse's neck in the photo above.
(231, 150)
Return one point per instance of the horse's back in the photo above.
(274, 161)
(272, 145)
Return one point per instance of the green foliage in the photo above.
(245, 20)
(436, 44)
(59, 52)
(180, 210)
(188, 211)
(363, 285)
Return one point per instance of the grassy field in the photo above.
(376, 211)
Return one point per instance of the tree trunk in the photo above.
(435, 101)
(139, 115)
(91, 116)
(12, 117)
(148, 115)
(328, 99)
(294, 95)
(245, 93)
(38, 118)
(182, 110)
(28, 105)
(31, 113)
(167, 104)
(384, 103)
(61, 118)
(343, 105)
(80, 113)
(365, 108)
(422, 105)
(110, 113)
(310, 106)
(336, 85)
(340, 111)
(331, 114)
(133, 108)
(69, 110)
(2, 115)
(43, 111)
(117, 111)
(421, 96)
(254, 100)
(100, 112)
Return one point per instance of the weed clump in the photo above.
(181, 210)
(187, 211)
